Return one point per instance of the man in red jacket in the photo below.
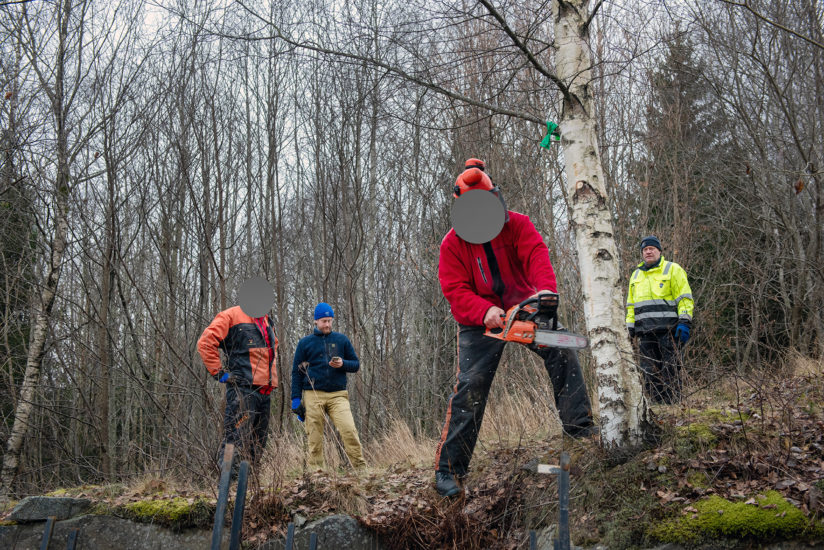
(481, 281)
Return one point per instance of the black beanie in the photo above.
(652, 240)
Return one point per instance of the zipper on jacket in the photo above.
(481, 267)
(498, 286)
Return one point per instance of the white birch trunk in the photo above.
(37, 346)
(37, 342)
(623, 409)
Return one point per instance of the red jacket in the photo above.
(244, 345)
(472, 285)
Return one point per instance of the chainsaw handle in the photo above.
(551, 297)
(536, 299)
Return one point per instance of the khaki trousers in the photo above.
(336, 405)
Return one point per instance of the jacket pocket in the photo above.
(661, 287)
(259, 360)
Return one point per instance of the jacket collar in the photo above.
(643, 267)
(317, 332)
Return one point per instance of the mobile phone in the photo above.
(336, 358)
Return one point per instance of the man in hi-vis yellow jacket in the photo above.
(659, 313)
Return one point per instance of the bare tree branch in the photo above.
(592, 15)
(279, 35)
(521, 46)
(746, 5)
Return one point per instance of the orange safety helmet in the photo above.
(474, 177)
(469, 179)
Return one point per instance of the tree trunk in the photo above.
(623, 409)
(37, 344)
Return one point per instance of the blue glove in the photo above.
(223, 378)
(682, 333)
(298, 408)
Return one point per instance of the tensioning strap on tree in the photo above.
(551, 131)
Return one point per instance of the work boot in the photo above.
(445, 484)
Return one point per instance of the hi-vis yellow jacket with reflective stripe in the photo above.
(659, 298)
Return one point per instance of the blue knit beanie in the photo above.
(652, 240)
(323, 310)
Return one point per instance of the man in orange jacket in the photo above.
(248, 371)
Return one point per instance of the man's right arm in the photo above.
(209, 342)
(297, 373)
(467, 307)
(630, 319)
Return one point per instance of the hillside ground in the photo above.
(739, 463)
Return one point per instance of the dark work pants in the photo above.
(478, 358)
(661, 365)
(245, 423)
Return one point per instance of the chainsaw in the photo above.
(534, 323)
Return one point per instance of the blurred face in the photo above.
(324, 324)
(650, 254)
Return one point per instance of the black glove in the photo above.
(298, 408)
(631, 331)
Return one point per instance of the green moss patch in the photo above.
(176, 513)
(90, 491)
(622, 501)
(765, 517)
(713, 415)
(693, 438)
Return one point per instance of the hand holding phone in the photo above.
(336, 362)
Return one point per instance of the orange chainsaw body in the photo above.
(533, 316)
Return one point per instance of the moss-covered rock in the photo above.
(176, 513)
(763, 518)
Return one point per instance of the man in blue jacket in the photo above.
(322, 361)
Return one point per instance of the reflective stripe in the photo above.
(630, 304)
(630, 325)
(667, 267)
(656, 314)
(635, 275)
(685, 316)
(689, 296)
(645, 303)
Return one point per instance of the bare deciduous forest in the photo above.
(154, 158)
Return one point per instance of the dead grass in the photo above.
(398, 446)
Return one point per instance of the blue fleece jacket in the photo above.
(317, 350)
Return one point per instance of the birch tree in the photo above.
(57, 94)
(623, 409)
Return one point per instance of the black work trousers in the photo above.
(478, 358)
(661, 365)
(245, 423)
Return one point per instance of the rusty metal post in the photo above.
(47, 533)
(240, 504)
(563, 504)
(223, 494)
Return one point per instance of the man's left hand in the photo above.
(682, 333)
(544, 291)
